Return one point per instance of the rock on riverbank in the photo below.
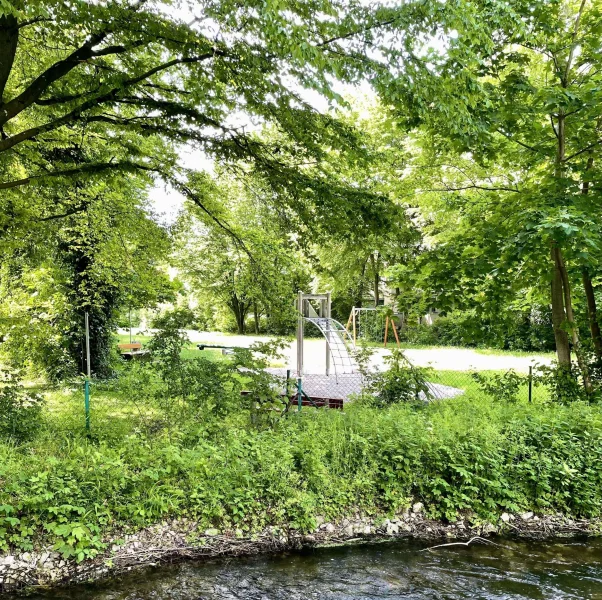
(180, 539)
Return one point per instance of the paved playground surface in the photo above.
(453, 359)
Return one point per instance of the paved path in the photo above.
(454, 359)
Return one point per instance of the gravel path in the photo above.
(453, 359)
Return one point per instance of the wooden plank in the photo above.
(132, 346)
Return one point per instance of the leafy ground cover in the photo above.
(469, 456)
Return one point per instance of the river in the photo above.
(507, 571)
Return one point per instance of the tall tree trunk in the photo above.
(592, 311)
(563, 349)
(240, 312)
(360, 291)
(9, 38)
(570, 317)
(374, 261)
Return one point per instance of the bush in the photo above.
(399, 382)
(508, 330)
(504, 387)
(564, 385)
(20, 409)
(180, 317)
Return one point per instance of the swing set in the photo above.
(361, 320)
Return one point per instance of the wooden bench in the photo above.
(132, 350)
(132, 346)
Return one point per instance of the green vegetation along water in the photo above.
(401, 570)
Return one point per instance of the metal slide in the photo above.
(338, 341)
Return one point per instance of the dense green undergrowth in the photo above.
(468, 454)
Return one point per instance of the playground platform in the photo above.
(344, 387)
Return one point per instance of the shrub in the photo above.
(504, 387)
(20, 409)
(399, 382)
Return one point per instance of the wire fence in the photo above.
(135, 403)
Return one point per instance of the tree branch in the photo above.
(509, 137)
(573, 43)
(475, 187)
(111, 96)
(39, 85)
(73, 211)
(89, 168)
(586, 149)
(350, 34)
(32, 22)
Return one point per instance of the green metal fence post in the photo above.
(530, 383)
(299, 394)
(88, 375)
(87, 404)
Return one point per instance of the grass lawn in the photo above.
(190, 351)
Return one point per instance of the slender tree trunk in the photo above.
(563, 350)
(256, 316)
(592, 313)
(570, 318)
(561, 290)
(360, 292)
(374, 262)
(592, 310)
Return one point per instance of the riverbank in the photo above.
(183, 539)
(156, 481)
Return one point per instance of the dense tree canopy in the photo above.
(120, 85)
(509, 105)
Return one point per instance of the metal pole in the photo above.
(530, 383)
(88, 372)
(354, 334)
(328, 334)
(299, 393)
(300, 350)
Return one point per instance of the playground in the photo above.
(319, 366)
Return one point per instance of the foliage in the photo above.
(181, 317)
(103, 259)
(249, 266)
(20, 409)
(503, 387)
(466, 458)
(504, 118)
(509, 329)
(118, 87)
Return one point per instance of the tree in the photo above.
(513, 89)
(118, 86)
(251, 267)
(98, 260)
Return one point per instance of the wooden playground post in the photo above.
(387, 321)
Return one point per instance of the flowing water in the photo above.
(508, 571)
